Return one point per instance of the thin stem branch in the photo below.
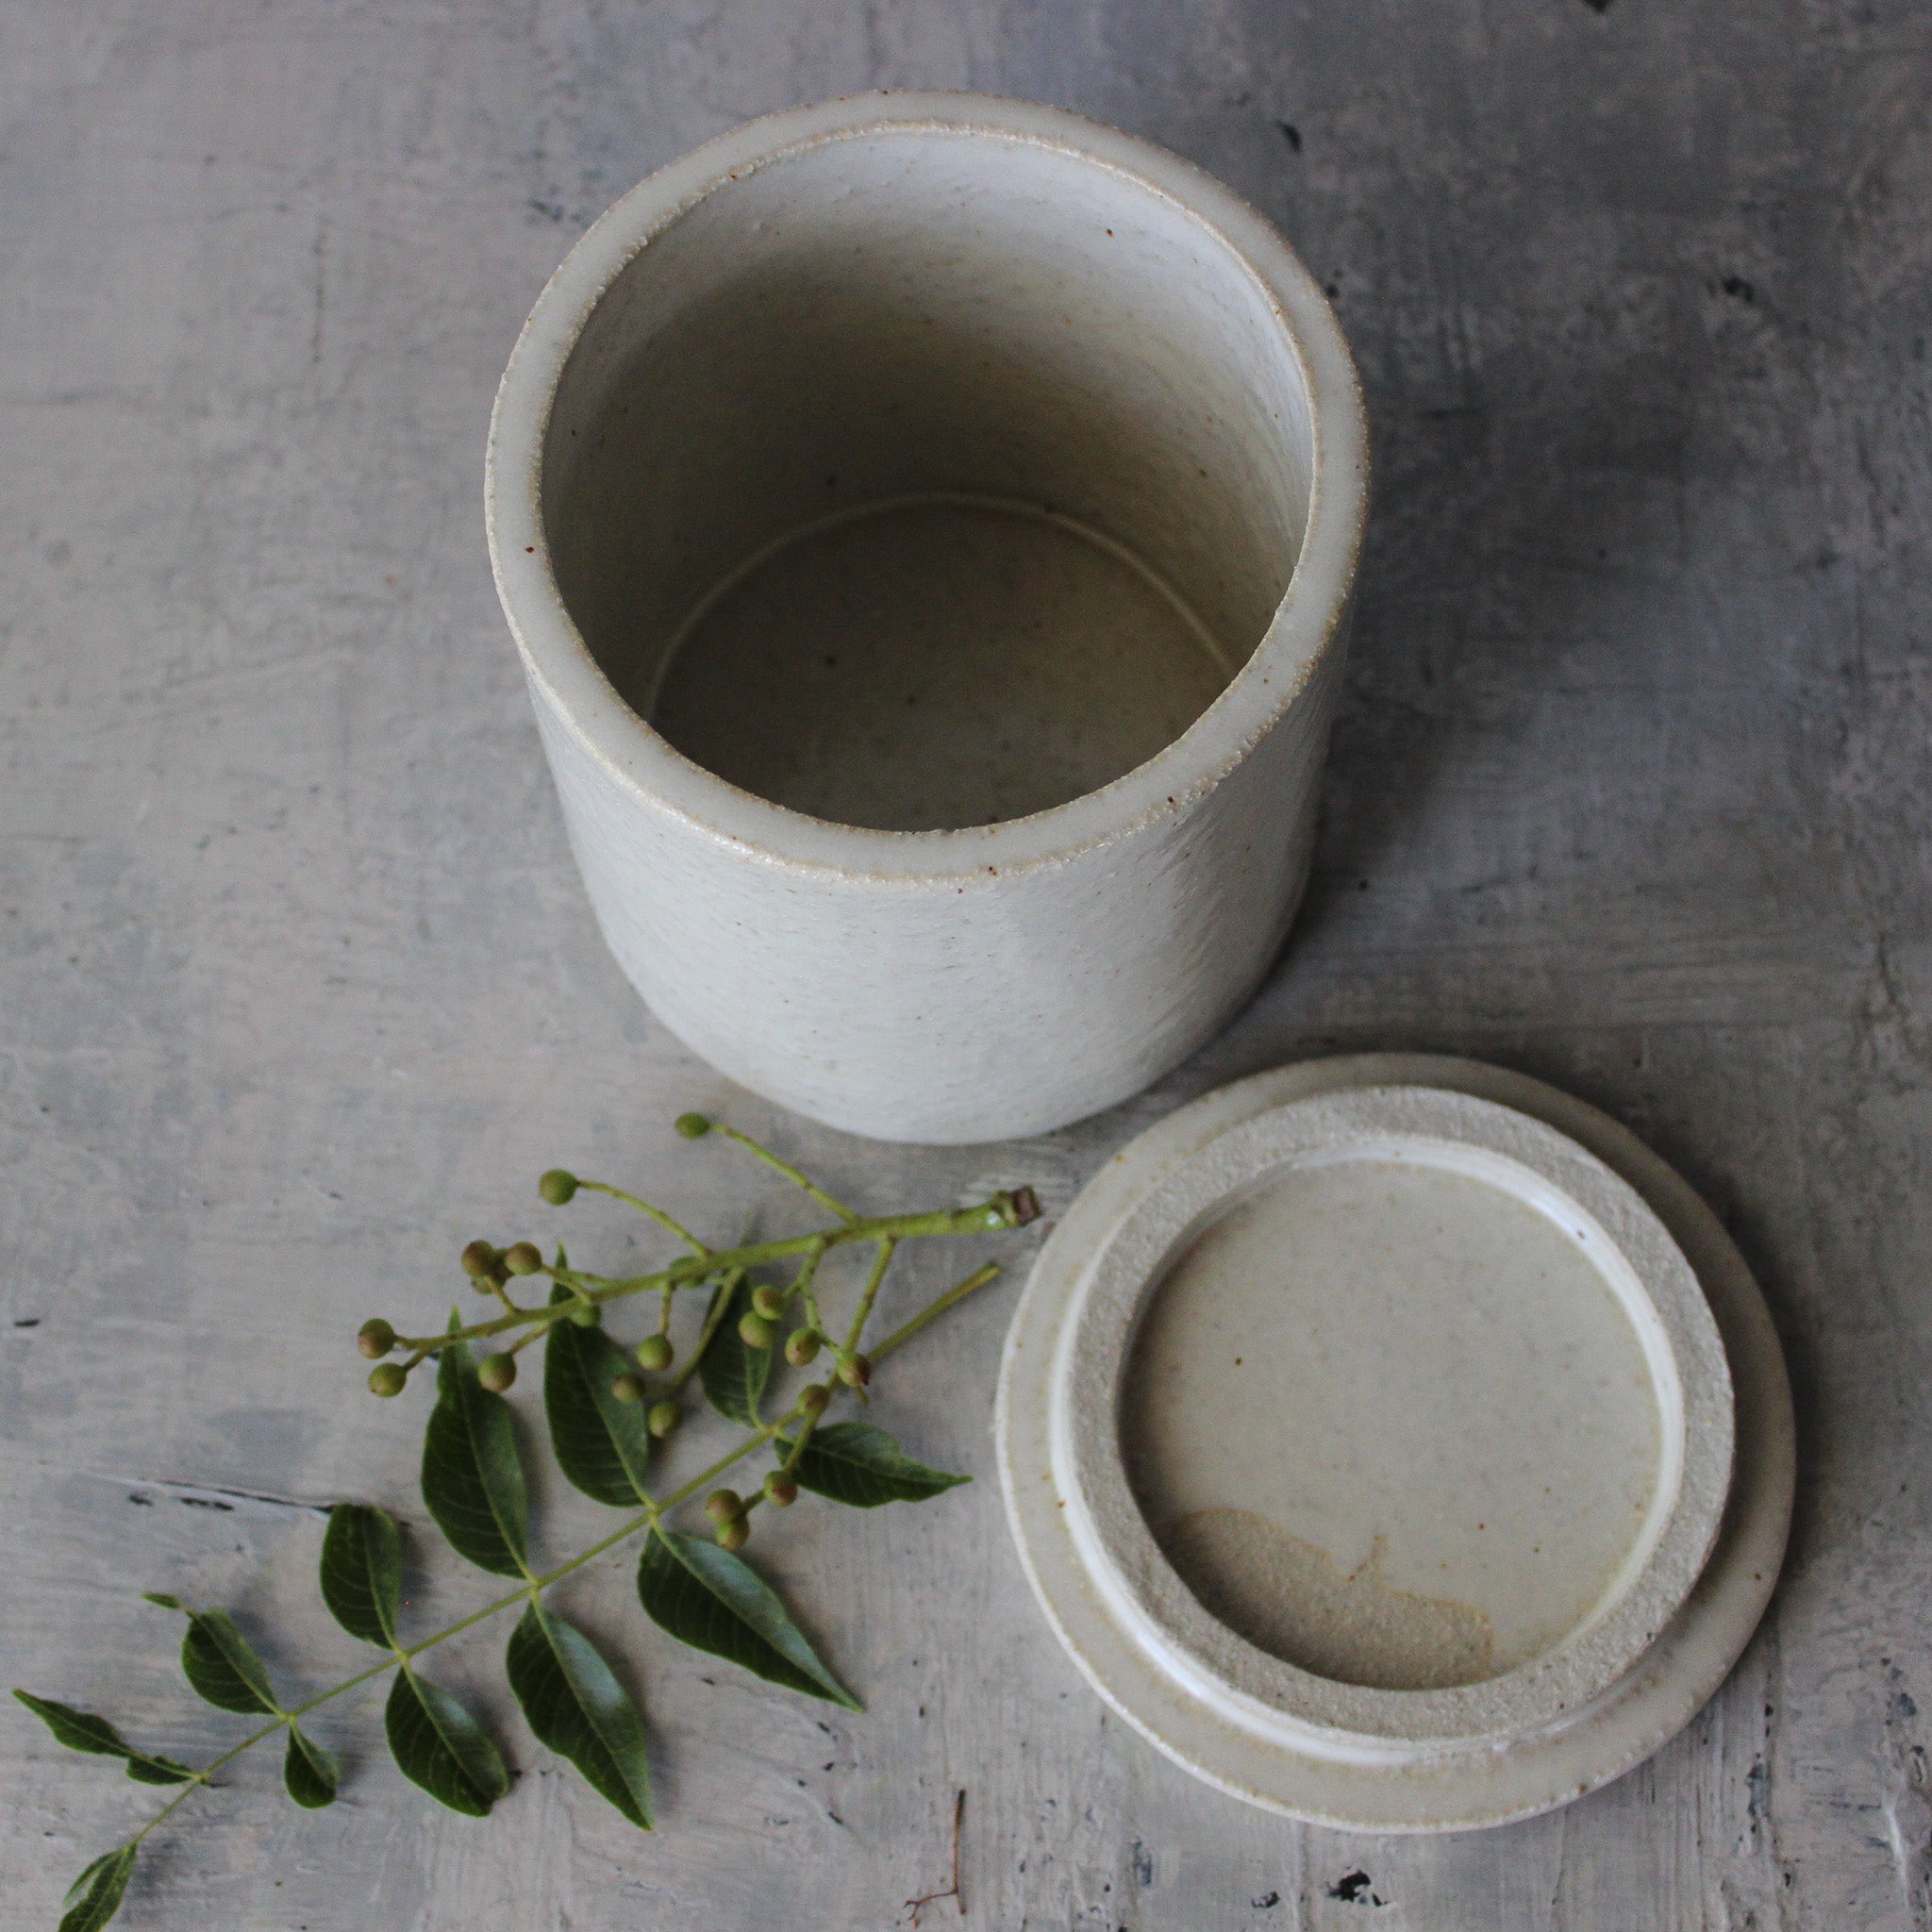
(756, 1440)
(863, 1312)
(714, 1319)
(906, 1330)
(657, 1215)
(798, 1441)
(802, 1281)
(801, 1290)
(785, 1168)
(987, 1217)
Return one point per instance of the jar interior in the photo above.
(919, 479)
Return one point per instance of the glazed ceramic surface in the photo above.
(1396, 1442)
(928, 523)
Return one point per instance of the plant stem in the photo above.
(657, 1215)
(987, 1217)
(802, 1281)
(714, 1317)
(790, 1173)
(906, 1330)
(863, 1314)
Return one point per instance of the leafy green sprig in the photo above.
(610, 1414)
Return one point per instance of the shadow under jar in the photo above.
(891, 500)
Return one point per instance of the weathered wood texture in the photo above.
(299, 989)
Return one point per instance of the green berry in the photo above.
(854, 1372)
(814, 1399)
(479, 1258)
(375, 1338)
(693, 1126)
(558, 1186)
(627, 1388)
(801, 1345)
(723, 1505)
(497, 1372)
(654, 1354)
(523, 1259)
(769, 1302)
(758, 1331)
(386, 1378)
(663, 1418)
(584, 1314)
(781, 1490)
(734, 1535)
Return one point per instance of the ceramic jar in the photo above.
(928, 525)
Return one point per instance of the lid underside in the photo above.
(1391, 1423)
(1358, 1472)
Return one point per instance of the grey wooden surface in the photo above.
(299, 990)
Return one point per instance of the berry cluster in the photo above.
(579, 1298)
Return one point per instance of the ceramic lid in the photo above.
(1367, 1431)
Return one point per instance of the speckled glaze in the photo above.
(1034, 332)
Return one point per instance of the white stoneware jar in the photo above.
(928, 524)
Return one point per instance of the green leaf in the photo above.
(856, 1463)
(94, 1897)
(578, 1709)
(80, 1730)
(708, 1598)
(362, 1572)
(220, 1662)
(734, 1376)
(602, 1444)
(439, 1745)
(472, 1480)
(309, 1771)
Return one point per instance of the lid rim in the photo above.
(1258, 1689)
